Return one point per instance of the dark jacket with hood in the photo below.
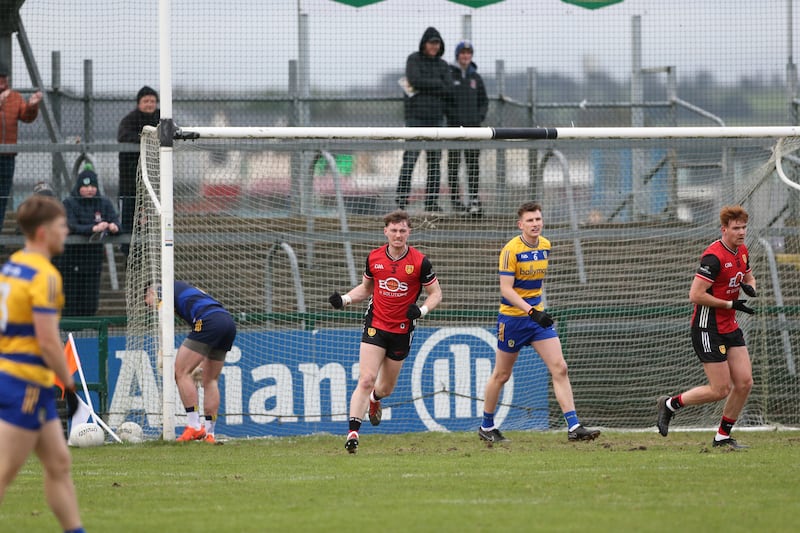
(82, 215)
(468, 103)
(430, 78)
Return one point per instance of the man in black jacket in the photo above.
(130, 128)
(426, 86)
(467, 106)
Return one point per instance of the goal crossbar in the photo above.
(477, 134)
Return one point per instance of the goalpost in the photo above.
(270, 221)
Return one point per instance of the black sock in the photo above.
(355, 423)
(726, 426)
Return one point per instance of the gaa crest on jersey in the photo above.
(409, 269)
(722, 349)
(511, 343)
(371, 332)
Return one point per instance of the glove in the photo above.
(335, 300)
(540, 317)
(72, 402)
(413, 312)
(739, 305)
(748, 289)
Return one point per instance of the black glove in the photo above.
(540, 317)
(413, 312)
(336, 300)
(748, 289)
(739, 305)
(72, 402)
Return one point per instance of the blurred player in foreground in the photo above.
(394, 277)
(32, 356)
(716, 337)
(522, 321)
(212, 335)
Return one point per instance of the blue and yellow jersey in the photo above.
(528, 265)
(29, 284)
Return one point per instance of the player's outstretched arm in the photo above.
(358, 294)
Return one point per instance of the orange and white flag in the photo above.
(72, 363)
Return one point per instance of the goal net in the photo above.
(271, 227)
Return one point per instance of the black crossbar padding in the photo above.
(524, 133)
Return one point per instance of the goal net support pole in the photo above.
(167, 310)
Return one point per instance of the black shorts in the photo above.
(217, 331)
(397, 345)
(712, 347)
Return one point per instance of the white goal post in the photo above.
(271, 220)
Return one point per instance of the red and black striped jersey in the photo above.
(724, 269)
(397, 285)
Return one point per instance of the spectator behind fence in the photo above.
(130, 128)
(426, 85)
(43, 188)
(13, 108)
(467, 106)
(93, 215)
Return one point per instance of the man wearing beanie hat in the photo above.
(13, 109)
(130, 128)
(467, 107)
(91, 214)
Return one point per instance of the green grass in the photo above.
(435, 482)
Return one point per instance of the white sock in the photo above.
(576, 426)
(210, 425)
(372, 396)
(719, 436)
(193, 419)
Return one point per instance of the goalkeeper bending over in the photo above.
(394, 277)
(211, 338)
(522, 321)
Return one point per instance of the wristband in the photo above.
(346, 300)
(423, 310)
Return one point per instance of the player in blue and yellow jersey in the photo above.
(203, 351)
(32, 356)
(522, 321)
(717, 339)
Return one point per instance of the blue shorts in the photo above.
(24, 404)
(514, 332)
(217, 330)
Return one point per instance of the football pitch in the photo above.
(436, 482)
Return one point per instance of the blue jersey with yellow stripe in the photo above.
(528, 265)
(29, 284)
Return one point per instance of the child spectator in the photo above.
(91, 214)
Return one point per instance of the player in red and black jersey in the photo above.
(394, 277)
(717, 339)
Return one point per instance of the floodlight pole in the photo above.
(167, 130)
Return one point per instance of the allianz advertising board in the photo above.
(300, 382)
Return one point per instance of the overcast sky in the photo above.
(248, 45)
